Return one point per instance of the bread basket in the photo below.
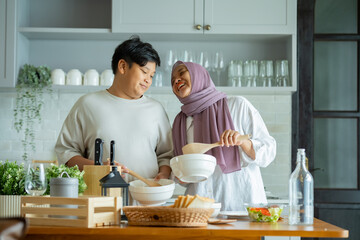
(167, 216)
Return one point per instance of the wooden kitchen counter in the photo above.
(241, 229)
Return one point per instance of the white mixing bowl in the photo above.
(152, 196)
(192, 168)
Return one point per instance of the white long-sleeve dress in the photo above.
(244, 186)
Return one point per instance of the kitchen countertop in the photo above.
(241, 229)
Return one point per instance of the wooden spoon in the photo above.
(150, 183)
(204, 147)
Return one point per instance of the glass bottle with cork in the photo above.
(301, 192)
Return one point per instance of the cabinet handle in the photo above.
(198, 27)
(207, 27)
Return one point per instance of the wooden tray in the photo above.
(88, 212)
(167, 216)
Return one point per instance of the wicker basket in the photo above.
(168, 216)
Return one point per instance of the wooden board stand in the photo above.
(92, 175)
(90, 211)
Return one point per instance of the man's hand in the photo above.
(164, 173)
(122, 167)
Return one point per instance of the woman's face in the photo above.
(180, 81)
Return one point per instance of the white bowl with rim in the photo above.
(152, 196)
(191, 168)
(216, 206)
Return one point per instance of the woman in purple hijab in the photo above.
(209, 116)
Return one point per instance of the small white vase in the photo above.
(10, 205)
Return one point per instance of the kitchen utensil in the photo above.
(106, 77)
(152, 196)
(112, 152)
(216, 207)
(193, 167)
(150, 183)
(58, 77)
(204, 147)
(74, 77)
(220, 221)
(91, 78)
(98, 151)
(198, 147)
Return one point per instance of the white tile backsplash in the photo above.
(274, 109)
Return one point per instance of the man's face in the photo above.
(180, 81)
(136, 80)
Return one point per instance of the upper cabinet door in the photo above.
(157, 16)
(204, 16)
(7, 43)
(250, 16)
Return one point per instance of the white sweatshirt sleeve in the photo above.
(70, 142)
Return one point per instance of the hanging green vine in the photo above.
(32, 82)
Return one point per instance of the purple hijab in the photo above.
(211, 115)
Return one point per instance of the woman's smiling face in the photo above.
(180, 81)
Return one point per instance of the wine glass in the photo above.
(35, 180)
(218, 65)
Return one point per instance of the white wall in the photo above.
(275, 110)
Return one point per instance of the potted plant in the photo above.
(32, 82)
(12, 186)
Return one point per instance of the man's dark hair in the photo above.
(134, 50)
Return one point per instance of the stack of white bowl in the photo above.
(75, 77)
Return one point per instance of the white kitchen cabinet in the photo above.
(204, 16)
(7, 43)
(83, 34)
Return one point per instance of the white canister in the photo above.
(74, 77)
(107, 77)
(91, 78)
(58, 77)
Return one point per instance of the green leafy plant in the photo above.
(32, 82)
(55, 171)
(12, 178)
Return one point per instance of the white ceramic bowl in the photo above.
(152, 196)
(91, 78)
(216, 207)
(106, 78)
(74, 77)
(192, 168)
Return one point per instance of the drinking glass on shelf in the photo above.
(171, 58)
(270, 74)
(218, 65)
(247, 74)
(204, 60)
(187, 56)
(35, 179)
(262, 74)
(254, 73)
(158, 79)
(238, 73)
(282, 73)
(235, 73)
(266, 73)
